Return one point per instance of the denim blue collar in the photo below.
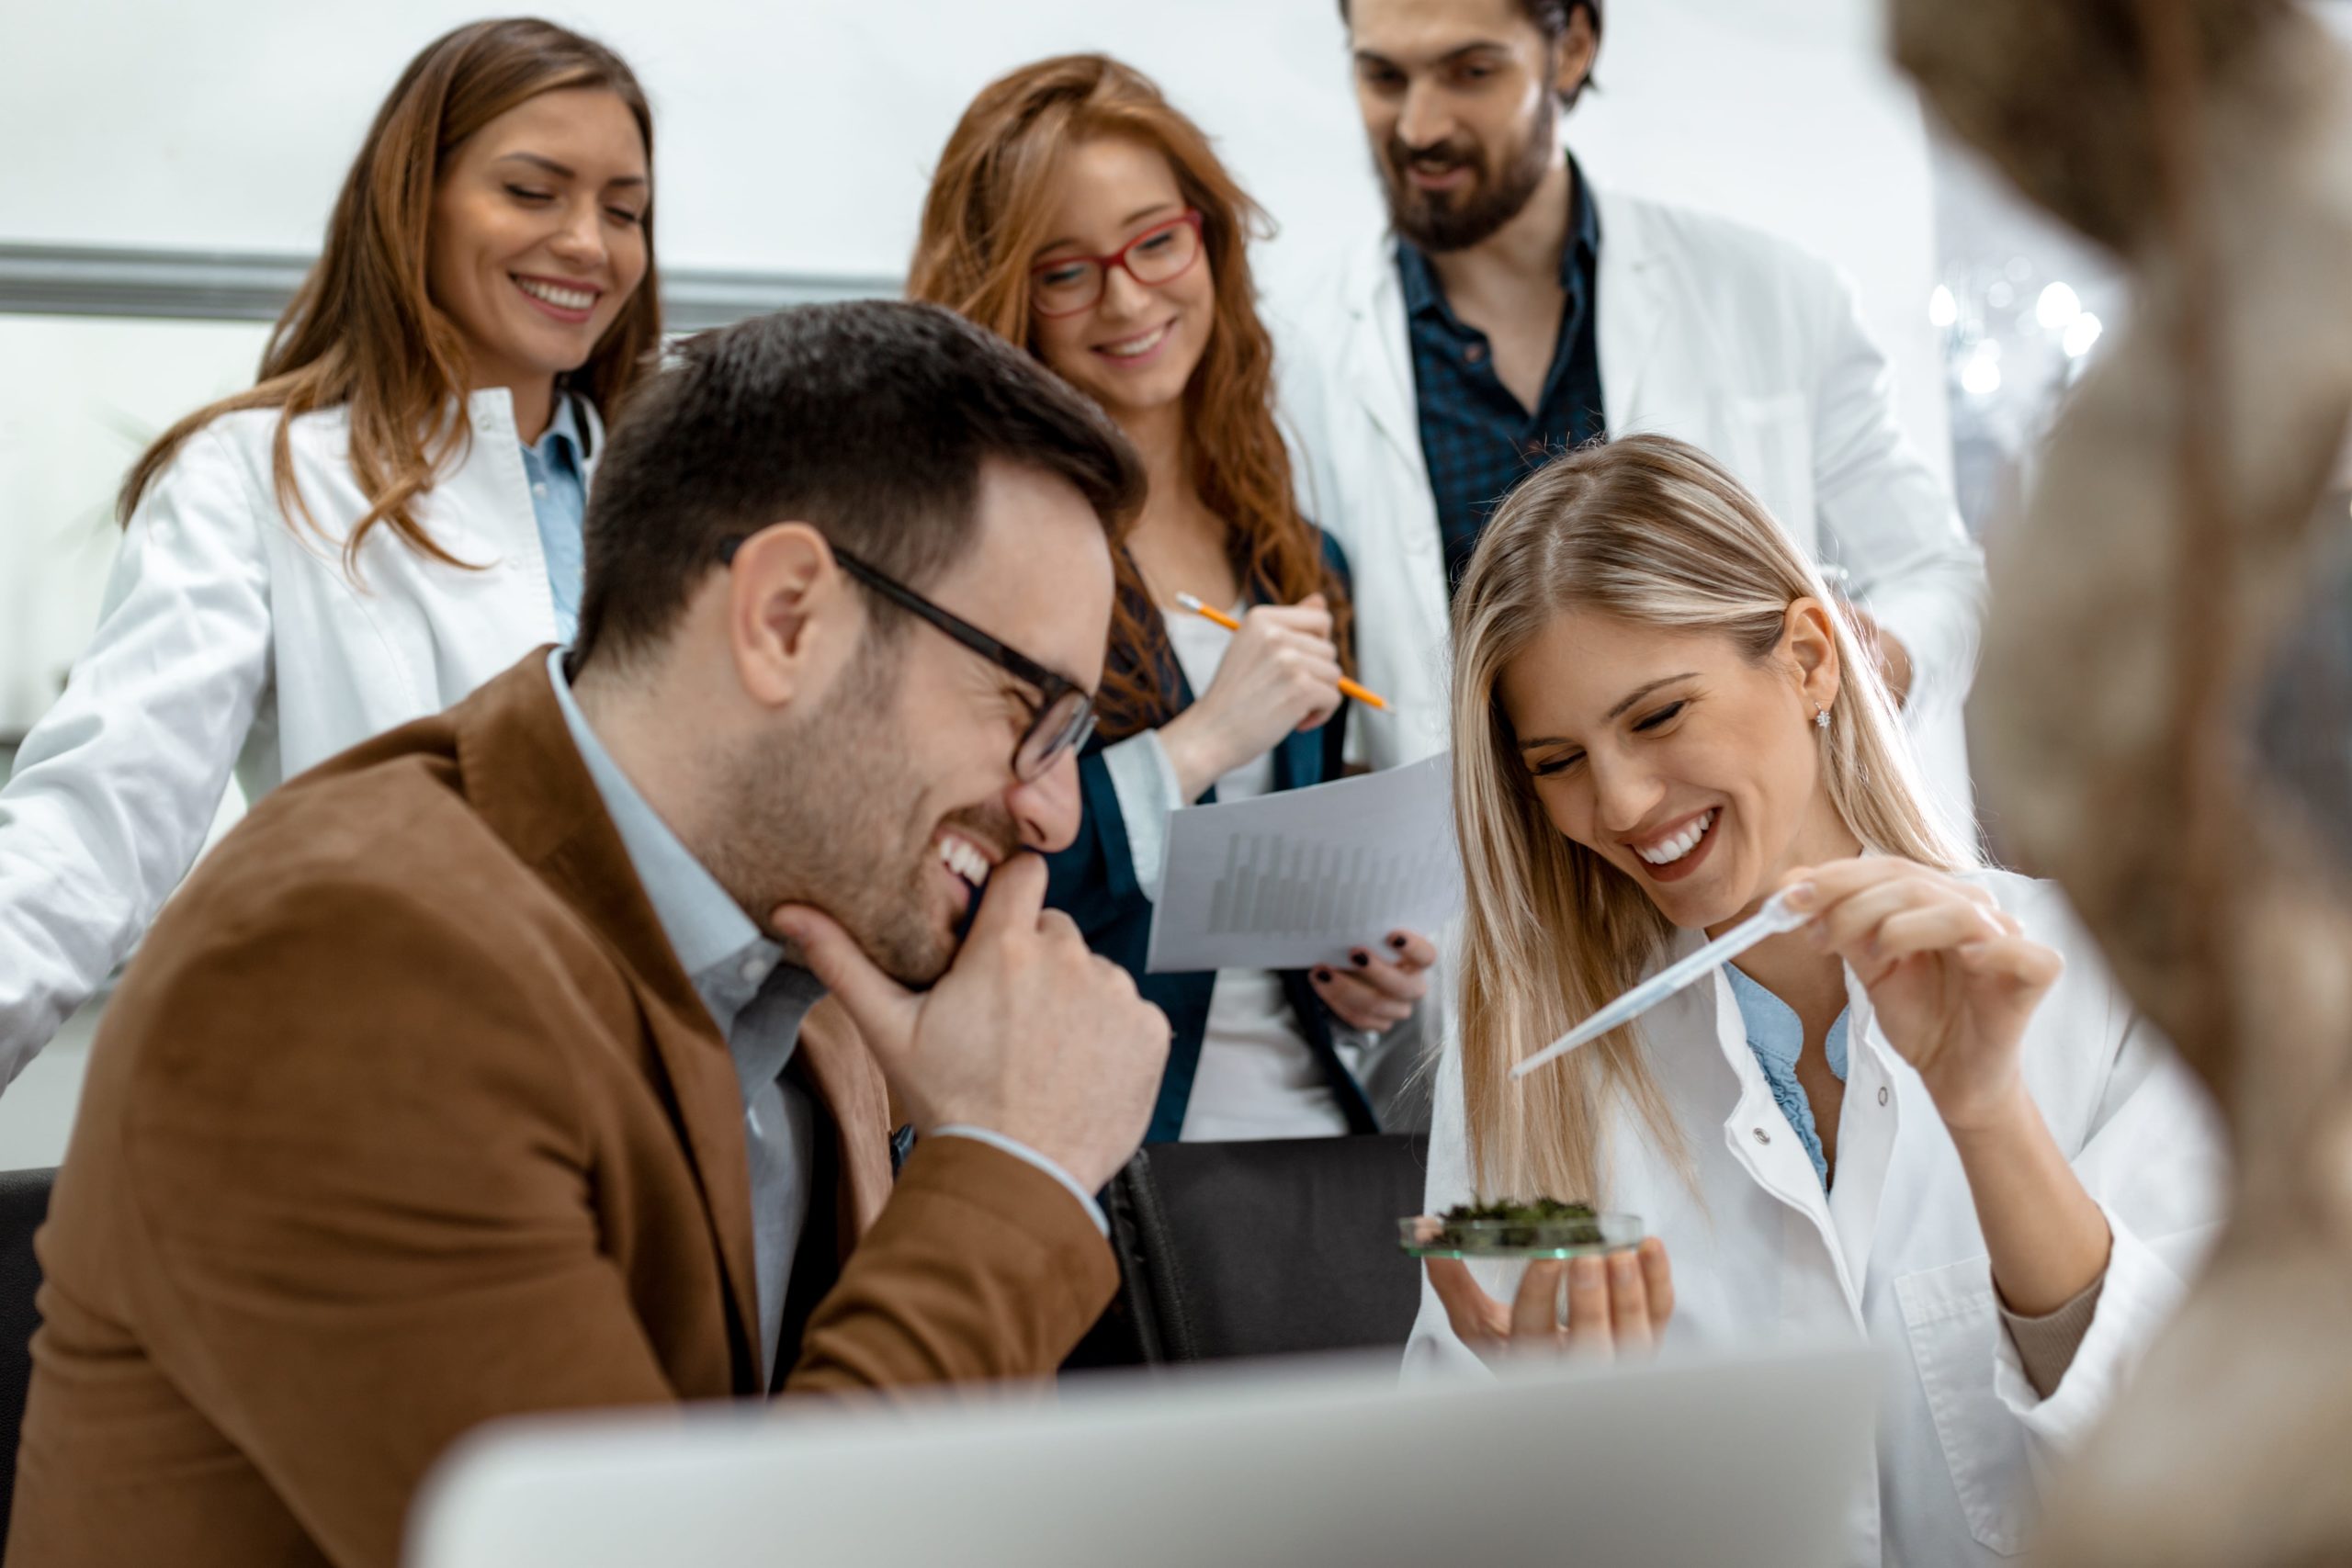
(1776, 1036)
(563, 442)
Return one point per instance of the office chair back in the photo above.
(24, 1203)
(1282, 1247)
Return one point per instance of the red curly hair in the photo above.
(990, 202)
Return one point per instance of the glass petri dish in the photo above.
(1426, 1235)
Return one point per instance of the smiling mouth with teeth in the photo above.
(1669, 851)
(964, 860)
(1136, 347)
(562, 298)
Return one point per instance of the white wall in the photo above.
(798, 135)
(793, 134)
(1784, 113)
(79, 400)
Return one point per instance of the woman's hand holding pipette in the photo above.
(1617, 1305)
(1951, 979)
(1952, 982)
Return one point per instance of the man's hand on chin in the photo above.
(1028, 1035)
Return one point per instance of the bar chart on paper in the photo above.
(1289, 880)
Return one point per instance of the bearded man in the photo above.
(1511, 310)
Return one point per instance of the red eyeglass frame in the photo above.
(1119, 258)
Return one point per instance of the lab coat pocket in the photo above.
(1951, 1319)
(1768, 445)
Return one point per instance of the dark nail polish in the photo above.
(1397, 942)
(1363, 959)
(1324, 976)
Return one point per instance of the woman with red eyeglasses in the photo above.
(1076, 213)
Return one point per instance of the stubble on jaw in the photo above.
(828, 813)
(808, 811)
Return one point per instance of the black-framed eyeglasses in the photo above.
(1065, 714)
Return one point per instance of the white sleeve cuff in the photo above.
(1145, 783)
(2139, 1295)
(1028, 1156)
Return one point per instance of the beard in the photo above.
(829, 813)
(1439, 221)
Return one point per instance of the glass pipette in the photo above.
(1770, 920)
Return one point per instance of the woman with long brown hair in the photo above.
(1925, 1116)
(390, 518)
(1078, 213)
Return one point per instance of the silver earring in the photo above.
(1820, 716)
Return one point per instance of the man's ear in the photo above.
(792, 617)
(1579, 47)
(1809, 641)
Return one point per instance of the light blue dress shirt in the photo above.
(556, 467)
(1776, 1035)
(759, 1002)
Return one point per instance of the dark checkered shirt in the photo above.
(1476, 438)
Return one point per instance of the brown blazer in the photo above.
(405, 1118)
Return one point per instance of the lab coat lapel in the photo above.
(1631, 311)
(1379, 356)
(1867, 1129)
(1397, 546)
(1760, 1139)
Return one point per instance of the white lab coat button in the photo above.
(754, 970)
(1882, 1094)
(1762, 1136)
(540, 489)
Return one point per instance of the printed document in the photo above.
(1296, 879)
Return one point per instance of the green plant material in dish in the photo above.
(1540, 1221)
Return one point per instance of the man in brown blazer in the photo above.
(482, 1070)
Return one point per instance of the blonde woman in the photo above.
(1926, 1118)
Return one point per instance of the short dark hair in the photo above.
(870, 419)
(1551, 18)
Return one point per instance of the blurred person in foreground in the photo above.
(475, 1073)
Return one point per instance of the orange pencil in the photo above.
(1346, 686)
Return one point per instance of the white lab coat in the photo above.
(1761, 1255)
(231, 636)
(1736, 342)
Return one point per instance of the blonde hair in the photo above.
(1649, 530)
